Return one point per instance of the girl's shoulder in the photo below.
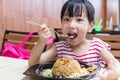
(99, 43)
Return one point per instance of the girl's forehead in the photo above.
(82, 14)
(75, 11)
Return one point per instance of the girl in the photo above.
(77, 18)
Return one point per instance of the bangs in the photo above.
(74, 9)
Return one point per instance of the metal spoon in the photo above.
(39, 25)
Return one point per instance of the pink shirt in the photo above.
(92, 56)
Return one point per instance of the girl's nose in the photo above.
(72, 25)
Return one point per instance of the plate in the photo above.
(37, 69)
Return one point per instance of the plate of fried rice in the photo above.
(64, 69)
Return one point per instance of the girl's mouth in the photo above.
(72, 35)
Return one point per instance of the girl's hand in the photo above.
(111, 72)
(44, 32)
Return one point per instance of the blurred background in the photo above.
(15, 13)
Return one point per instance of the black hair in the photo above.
(75, 8)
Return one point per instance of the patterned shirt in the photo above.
(92, 55)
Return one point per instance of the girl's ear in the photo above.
(91, 26)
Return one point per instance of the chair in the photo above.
(111, 39)
(16, 37)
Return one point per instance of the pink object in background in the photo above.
(49, 41)
(17, 51)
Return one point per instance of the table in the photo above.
(12, 69)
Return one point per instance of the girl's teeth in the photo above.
(71, 36)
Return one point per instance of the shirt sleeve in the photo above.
(107, 46)
(100, 44)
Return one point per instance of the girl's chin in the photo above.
(72, 41)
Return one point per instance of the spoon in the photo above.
(39, 25)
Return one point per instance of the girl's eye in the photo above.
(79, 20)
(66, 19)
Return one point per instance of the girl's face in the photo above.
(76, 28)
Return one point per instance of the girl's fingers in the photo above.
(44, 31)
(42, 27)
(110, 65)
(103, 76)
(108, 75)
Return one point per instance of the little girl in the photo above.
(77, 19)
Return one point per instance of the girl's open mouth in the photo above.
(72, 35)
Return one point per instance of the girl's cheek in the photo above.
(63, 31)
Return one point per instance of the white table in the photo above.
(12, 69)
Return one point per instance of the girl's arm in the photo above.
(49, 55)
(36, 52)
(36, 55)
(113, 66)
